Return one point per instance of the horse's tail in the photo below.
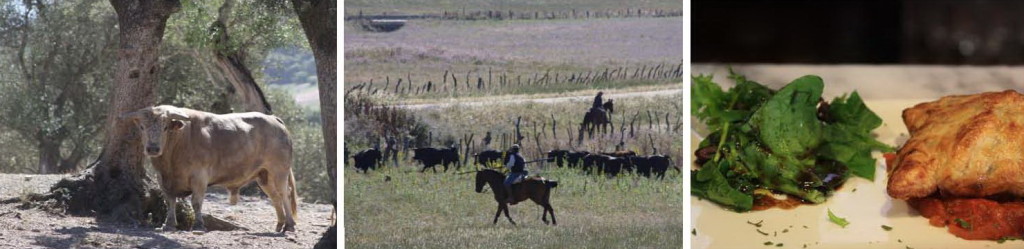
(551, 184)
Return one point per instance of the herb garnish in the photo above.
(964, 224)
(835, 219)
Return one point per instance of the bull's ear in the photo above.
(176, 125)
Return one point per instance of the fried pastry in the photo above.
(963, 146)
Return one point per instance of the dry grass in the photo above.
(601, 42)
(454, 122)
(429, 6)
(520, 50)
(416, 210)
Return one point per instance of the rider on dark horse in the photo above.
(517, 171)
(598, 102)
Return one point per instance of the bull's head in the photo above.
(157, 124)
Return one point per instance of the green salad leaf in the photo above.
(788, 141)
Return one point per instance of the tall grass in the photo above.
(389, 71)
(453, 122)
(398, 207)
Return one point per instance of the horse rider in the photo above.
(517, 170)
(598, 102)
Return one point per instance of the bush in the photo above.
(367, 122)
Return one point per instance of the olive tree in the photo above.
(59, 54)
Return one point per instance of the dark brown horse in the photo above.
(536, 189)
(594, 118)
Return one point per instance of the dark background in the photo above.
(897, 31)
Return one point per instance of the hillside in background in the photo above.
(293, 69)
(290, 65)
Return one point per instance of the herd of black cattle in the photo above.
(609, 163)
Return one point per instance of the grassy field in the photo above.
(429, 6)
(417, 210)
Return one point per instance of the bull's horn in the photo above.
(177, 114)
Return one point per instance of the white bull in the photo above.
(192, 150)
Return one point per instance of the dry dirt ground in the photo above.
(35, 228)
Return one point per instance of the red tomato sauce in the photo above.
(889, 158)
(973, 218)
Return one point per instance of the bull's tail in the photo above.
(294, 195)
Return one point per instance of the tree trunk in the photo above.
(116, 184)
(70, 163)
(230, 62)
(49, 157)
(319, 24)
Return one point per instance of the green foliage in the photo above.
(290, 65)
(16, 159)
(53, 89)
(256, 26)
(782, 141)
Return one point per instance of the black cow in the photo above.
(557, 157)
(575, 158)
(621, 153)
(642, 164)
(488, 157)
(614, 165)
(660, 164)
(450, 156)
(367, 159)
(431, 157)
(594, 162)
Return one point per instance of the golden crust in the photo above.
(965, 146)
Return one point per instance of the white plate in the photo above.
(863, 203)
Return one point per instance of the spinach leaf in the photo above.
(709, 183)
(788, 122)
(848, 138)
